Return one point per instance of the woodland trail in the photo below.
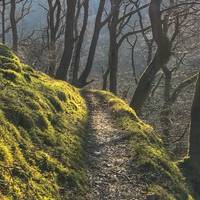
(109, 173)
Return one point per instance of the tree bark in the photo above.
(105, 79)
(79, 43)
(13, 25)
(194, 149)
(69, 41)
(53, 28)
(3, 21)
(166, 109)
(160, 59)
(114, 48)
(52, 58)
(98, 25)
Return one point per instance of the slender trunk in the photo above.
(52, 58)
(3, 21)
(52, 39)
(105, 79)
(69, 41)
(114, 48)
(76, 39)
(113, 66)
(83, 77)
(166, 109)
(98, 25)
(79, 44)
(133, 64)
(13, 25)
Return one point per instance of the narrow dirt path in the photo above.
(108, 171)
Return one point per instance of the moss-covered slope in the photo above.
(41, 130)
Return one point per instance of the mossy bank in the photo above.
(161, 175)
(41, 133)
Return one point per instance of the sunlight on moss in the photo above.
(42, 125)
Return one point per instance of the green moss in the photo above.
(61, 95)
(55, 103)
(27, 77)
(9, 75)
(11, 66)
(19, 117)
(160, 193)
(5, 154)
(41, 133)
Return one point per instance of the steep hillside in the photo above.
(43, 134)
(41, 131)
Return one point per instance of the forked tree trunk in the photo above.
(69, 41)
(98, 26)
(54, 16)
(77, 52)
(160, 59)
(144, 86)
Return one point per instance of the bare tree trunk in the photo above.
(3, 21)
(52, 40)
(13, 25)
(160, 59)
(166, 109)
(52, 58)
(76, 39)
(98, 26)
(194, 150)
(69, 41)
(79, 43)
(191, 166)
(143, 89)
(114, 48)
(54, 16)
(113, 66)
(105, 79)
